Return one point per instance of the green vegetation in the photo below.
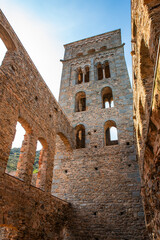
(14, 157)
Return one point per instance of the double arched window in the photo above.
(80, 136)
(111, 134)
(103, 70)
(82, 75)
(107, 98)
(80, 102)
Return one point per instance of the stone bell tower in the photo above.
(100, 177)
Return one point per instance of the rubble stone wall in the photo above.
(31, 213)
(145, 55)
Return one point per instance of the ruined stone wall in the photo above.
(29, 213)
(101, 182)
(145, 37)
(24, 97)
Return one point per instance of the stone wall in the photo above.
(25, 211)
(101, 182)
(145, 37)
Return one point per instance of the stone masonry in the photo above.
(27, 212)
(146, 99)
(88, 184)
(101, 182)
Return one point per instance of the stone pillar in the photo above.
(26, 159)
(42, 171)
(92, 73)
(103, 67)
(83, 72)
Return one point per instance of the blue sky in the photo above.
(43, 26)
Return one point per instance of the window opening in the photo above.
(80, 136)
(3, 51)
(100, 71)
(107, 98)
(107, 70)
(80, 76)
(111, 134)
(86, 79)
(80, 102)
(15, 150)
(40, 164)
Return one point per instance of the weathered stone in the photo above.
(146, 99)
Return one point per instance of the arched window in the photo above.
(80, 102)
(79, 76)
(80, 136)
(100, 71)
(18, 158)
(3, 51)
(107, 70)
(111, 135)
(107, 98)
(40, 164)
(86, 78)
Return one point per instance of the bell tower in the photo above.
(100, 178)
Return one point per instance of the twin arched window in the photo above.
(82, 75)
(80, 102)
(103, 70)
(107, 98)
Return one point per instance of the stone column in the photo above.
(42, 171)
(92, 73)
(26, 159)
(103, 67)
(83, 72)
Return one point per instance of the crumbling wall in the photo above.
(25, 211)
(145, 37)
